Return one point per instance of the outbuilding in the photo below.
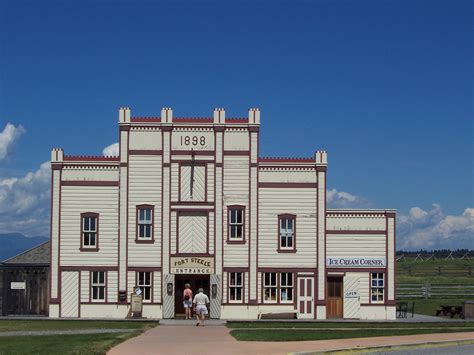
(190, 200)
(24, 283)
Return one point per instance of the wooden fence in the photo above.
(435, 291)
(432, 270)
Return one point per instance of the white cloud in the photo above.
(342, 199)
(25, 202)
(8, 137)
(111, 150)
(434, 230)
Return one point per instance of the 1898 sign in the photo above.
(193, 140)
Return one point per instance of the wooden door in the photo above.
(334, 297)
(305, 297)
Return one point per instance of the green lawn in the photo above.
(322, 325)
(19, 325)
(66, 344)
(429, 306)
(273, 331)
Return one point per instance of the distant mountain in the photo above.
(12, 244)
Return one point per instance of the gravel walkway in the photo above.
(27, 333)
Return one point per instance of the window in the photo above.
(144, 282)
(145, 223)
(98, 285)
(89, 231)
(278, 287)
(236, 287)
(270, 287)
(287, 226)
(377, 287)
(236, 223)
(286, 287)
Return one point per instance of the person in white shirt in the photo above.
(200, 302)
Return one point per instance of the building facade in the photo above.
(191, 200)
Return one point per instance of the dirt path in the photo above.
(212, 340)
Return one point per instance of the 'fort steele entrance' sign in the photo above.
(192, 265)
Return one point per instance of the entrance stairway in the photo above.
(192, 322)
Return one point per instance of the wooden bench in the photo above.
(278, 314)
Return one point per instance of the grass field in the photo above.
(66, 344)
(323, 331)
(436, 272)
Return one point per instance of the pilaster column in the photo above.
(321, 167)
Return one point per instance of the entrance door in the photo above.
(305, 297)
(334, 297)
(196, 282)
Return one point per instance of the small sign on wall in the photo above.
(18, 285)
(351, 294)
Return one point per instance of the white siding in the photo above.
(300, 202)
(236, 139)
(112, 285)
(174, 232)
(372, 245)
(85, 286)
(391, 258)
(156, 286)
(90, 174)
(355, 222)
(144, 188)
(55, 233)
(236, 192)
(210, 182)
(98, 199)
(145, 138)
(286, 175)
(174, 182)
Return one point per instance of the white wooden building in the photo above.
(191, 200)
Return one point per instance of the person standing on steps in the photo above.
(201, 301)
(187, 300)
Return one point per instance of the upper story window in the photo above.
(377, 287)
(236, 223)
(98, 286)
(89, 231)
(235, 219)
(287, 233)
(144, 223)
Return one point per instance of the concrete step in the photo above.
(192, 322)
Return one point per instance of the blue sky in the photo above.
(384, 86)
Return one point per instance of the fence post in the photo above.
(439, 270)
(409, 270)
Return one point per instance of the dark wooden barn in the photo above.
(24, 283)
